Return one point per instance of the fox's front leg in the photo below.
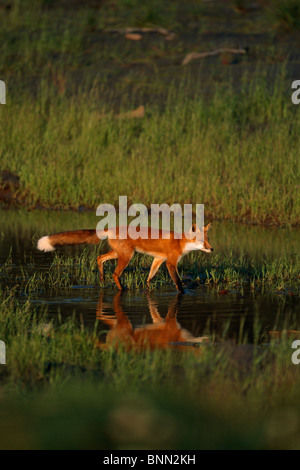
(172, 268)
(154, 268)
(101, 259)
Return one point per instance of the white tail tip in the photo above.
(44, 244)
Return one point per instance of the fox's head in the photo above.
(200, 239)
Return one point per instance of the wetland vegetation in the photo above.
(95, 110)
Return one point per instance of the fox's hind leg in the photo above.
(122, 263)
(101, 259)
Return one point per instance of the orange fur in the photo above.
(162, 333)
(162, 249)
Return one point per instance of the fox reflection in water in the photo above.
(162, 333)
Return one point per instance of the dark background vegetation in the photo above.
(95, 111)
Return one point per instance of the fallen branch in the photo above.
(200, 55)
(135, 113)
(162, 31)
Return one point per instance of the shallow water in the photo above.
(200, 311)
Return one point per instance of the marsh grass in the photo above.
(285, 14)
(35, 36)
(237, 154)
(231, 143)
(231, 146)
(219, 271)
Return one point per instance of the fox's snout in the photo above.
(207, 248)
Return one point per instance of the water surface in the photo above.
(200, 311)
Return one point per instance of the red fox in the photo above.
(162, 249)
(162, 333)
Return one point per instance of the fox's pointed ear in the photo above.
(193, 231)
(207, 227)
(194, 228)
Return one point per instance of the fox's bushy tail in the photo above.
(76, 237)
